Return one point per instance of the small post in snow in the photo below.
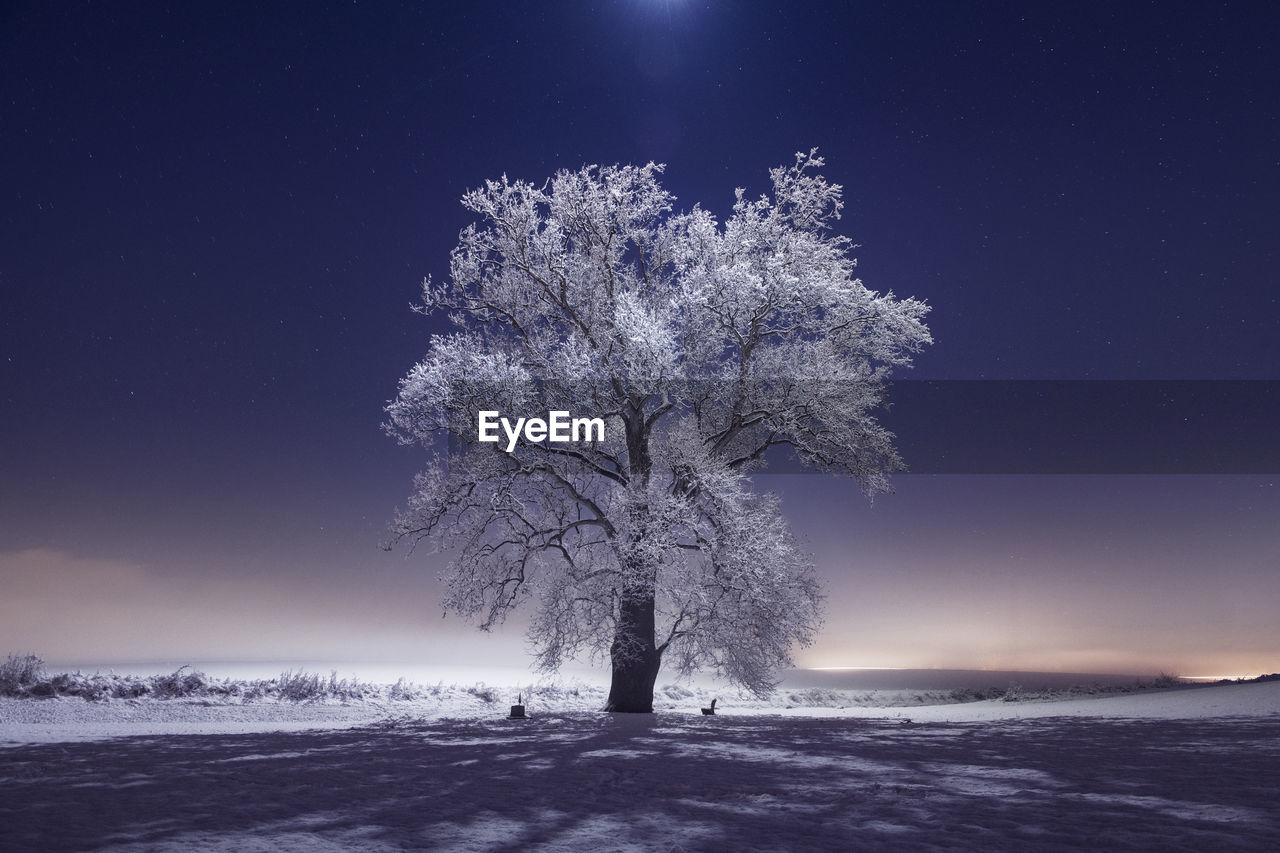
(517, 710)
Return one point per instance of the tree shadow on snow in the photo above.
(658, 782)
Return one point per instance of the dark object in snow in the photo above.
(707, 712)
(517, 710)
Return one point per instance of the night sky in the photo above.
(215, 219)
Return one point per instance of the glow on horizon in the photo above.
(71, 608)
(1243, 673)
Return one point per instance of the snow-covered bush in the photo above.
(403, 690)
(817, 697)
(25, 676)
(19, 673)
(484, 694)
(973, 694)
(348, 689)
(179, 684)
(300, 686)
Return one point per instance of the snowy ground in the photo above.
(1195, 769)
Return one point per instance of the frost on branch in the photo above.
(703, 345)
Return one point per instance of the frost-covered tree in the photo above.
(702, 345)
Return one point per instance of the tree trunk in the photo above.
(635, 656)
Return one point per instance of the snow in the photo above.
(1233, 700)
(1172, 769)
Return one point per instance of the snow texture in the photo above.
(1192, 769)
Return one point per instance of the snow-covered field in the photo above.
(1176, 769)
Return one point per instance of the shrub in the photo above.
(179, 684)
(300, 686)
(255, 690)
(404, 690)
(817, 697)
(484, 694)
(91, 688)
(129, 688)
(19, 673)
(348, 688)
(973, 694)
